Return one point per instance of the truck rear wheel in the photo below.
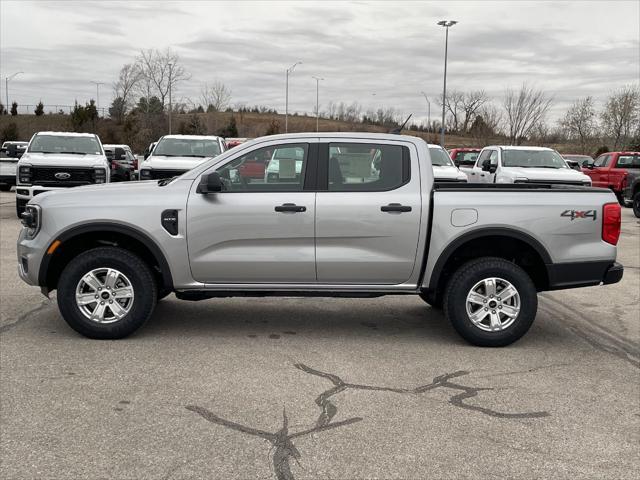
(491, 302)
(106, 293)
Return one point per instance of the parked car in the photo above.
(10, 153)
(175, 154)
(342, 228)
(576, 161)
(464, 157)
(443, 168)
(509, 164)
(610, 170)
(59, 160)
(234, 142)
(122, 162)
(631, 193)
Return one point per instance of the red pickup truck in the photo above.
(464, 157)
(610, 170)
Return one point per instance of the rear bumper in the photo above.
(583, 274)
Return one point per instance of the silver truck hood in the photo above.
(105, 191)
(448, 172)
(63, 160)
(172, 163)
(556, 174)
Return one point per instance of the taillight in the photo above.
(611, 220)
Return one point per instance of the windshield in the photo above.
(187, 147)
(65, 144)
(532, 159)
(440, 158)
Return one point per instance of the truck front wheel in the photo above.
(106, 293)
(491, 302)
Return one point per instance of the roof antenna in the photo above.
(397, 130)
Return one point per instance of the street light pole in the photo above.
(98, 95)
(170, 106)
(6, 87)
(286, 95)
(428, 110)
(317, 102)
(446, 24)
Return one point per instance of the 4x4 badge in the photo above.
(574, 214)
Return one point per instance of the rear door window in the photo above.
(629, 161)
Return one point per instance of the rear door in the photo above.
(368, 209)
(258, 230)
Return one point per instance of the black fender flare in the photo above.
(479, 233)
(133, 232)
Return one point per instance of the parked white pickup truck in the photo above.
(10, 153)
(444, 169)
(175, 154)
(59, 160)
(510, 164)
(363, 218)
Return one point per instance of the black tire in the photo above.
(5, 188)
(469, 275)
(620, 198)
(136, 271)
(432, 300)
(636, 204)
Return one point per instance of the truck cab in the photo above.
(610, 170)
(530, 165)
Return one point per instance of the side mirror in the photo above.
(210, 183)
(486, 165)
(588, 164)
(456, 163)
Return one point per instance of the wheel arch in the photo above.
(79, 238)
(507, 243)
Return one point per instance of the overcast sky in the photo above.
(380, 54)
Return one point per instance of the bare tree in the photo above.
(127, 81)
(486, 124)
(524, 109)
(621, 115)
(160, 71)
(453, 105)
(215, 97)
(579, 122)
(471, 103)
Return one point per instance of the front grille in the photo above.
(157, 174)
(47, 176)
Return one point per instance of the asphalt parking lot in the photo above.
(245, 388)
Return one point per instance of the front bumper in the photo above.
(30, 254)
(583, 274)
(27, 192)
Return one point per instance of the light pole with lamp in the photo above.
(6, 87)
(446, 24)
(428, 110)
(170, 106)
(317, 102)
(286, 99)
(98, 96)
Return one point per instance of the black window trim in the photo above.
(323, 168)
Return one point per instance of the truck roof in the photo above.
(363, 135)
(193, 137)
(67, 134)
(519, 147)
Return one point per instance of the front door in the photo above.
(257, 230)
(368, 216)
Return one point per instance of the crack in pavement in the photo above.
(25, 316)
(284, 449)
(442, 381)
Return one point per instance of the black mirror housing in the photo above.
(210, 183)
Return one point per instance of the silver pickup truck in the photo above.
(335, 226)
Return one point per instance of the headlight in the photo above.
(31, 218)
(24, 175)
(521, 180)
(145, 174)
(587, 183)
(100, 175)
